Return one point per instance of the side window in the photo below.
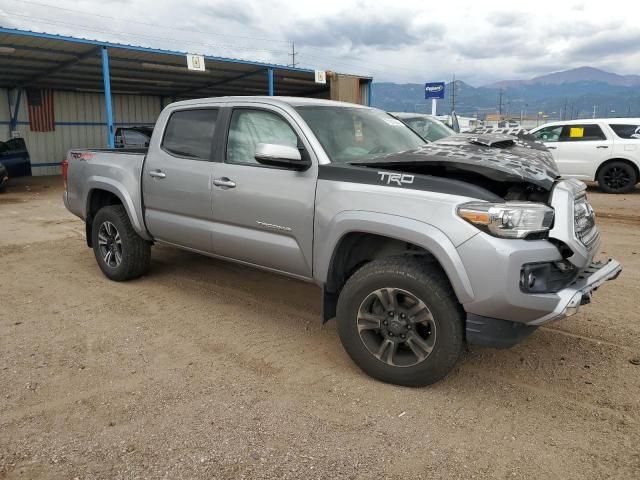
(548, 134)
(189, 133)
(582, 133)
(248, 128)
(626, 131)
(132, 137)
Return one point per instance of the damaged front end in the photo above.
(512, 168)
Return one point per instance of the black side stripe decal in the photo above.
(385, 177)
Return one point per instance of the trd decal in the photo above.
(397, 178)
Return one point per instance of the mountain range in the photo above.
(567, 94)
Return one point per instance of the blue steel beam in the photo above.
(270, 81)
(107, 96)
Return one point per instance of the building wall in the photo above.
(80, 123)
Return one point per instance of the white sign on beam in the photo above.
(195, 62)
(321, 76)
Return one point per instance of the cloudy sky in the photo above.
(401, 40)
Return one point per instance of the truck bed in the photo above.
(115, 171)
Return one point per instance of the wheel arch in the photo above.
(360, 237)
(617, 159)
(104, 192)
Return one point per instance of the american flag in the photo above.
(41, 110)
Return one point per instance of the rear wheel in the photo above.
(617, 177)
(400, 322)
(120, 252)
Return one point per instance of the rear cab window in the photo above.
(582, 133)
(189, 133)
(627, 132)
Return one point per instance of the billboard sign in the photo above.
(434, 90)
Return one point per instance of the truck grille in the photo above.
(585, 222)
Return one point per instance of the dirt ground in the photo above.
(205, 369)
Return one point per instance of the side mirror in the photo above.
(281, 156)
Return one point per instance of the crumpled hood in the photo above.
(498, 157)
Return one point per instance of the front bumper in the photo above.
(579, 292)
(494, 265)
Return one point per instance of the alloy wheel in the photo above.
(110, 244)
(617, 178)
(396, 327)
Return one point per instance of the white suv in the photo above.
(605, 150)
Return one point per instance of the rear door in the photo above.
(263, 215)
(580, 149)
(176, 181)
(626, 140)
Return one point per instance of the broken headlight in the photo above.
(509, 220)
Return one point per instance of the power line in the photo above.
(352, 63)
(141, 35)
(149, 24)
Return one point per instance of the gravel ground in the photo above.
(205, 369)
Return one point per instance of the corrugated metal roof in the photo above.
(48, 60)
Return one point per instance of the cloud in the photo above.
(605, 44)
(401, 41)
(365, 31)
(507, 19)
(230, 12)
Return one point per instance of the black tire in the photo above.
(134, 251)
(617, 177)
(426, 284)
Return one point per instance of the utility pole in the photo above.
(500, 103)
(629, 110)
(564, 112)
(594, 112)
(453, 93)
(293, 55)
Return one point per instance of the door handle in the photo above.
(224, 182)
(552, 148)
(602, 146)
(157, 174)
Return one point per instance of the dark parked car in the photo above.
(133, 137)
(4, 178)
(15, 157)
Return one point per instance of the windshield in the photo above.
(430, 129)
(355, 134)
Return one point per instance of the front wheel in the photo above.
(120, 252)
(617, 177)
(400, 321)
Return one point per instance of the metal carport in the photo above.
(61, 63)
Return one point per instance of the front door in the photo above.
(263, 215)
(176, 181)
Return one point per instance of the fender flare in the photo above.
(96, 182)
(400, 228)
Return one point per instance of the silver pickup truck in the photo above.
(417, 247)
